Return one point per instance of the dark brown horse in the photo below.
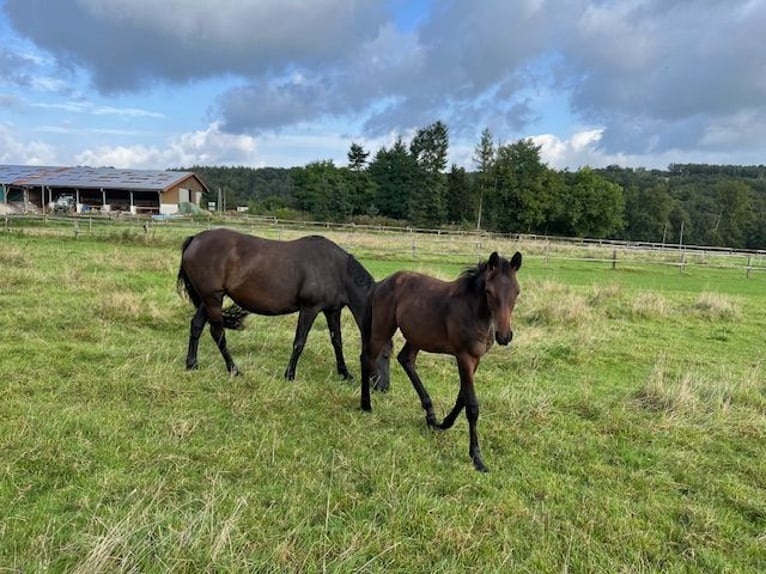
(460, 318)
(268, 277)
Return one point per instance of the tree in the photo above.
(595, 206)
(460, 200)
(429, 148)
(647, 212)
(322, 191)
(357, 157)
(395, 175)
(484, 158)
(519, 202)
(361, 187)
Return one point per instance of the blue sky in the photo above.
(141, 84)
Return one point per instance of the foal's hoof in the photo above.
(192, 367)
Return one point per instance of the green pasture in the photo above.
(625, 427)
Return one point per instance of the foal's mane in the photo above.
(472, 278)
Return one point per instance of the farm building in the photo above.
(103, 189)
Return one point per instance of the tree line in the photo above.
(510, 190)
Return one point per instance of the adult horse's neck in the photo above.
(359, 284)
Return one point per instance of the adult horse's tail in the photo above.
(233, 315)
(183, 282)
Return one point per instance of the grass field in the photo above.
(625, 427)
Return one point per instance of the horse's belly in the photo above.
(264, 304)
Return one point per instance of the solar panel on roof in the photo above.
(90, 177)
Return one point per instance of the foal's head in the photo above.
(501, 289)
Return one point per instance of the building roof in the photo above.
(92, 177)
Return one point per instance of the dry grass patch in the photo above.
(651, 304)
(129, 307)
(678, 391)
(13, 257)
(549, 303)
(715, 306)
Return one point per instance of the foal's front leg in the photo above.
(406, 358)
(467, 366)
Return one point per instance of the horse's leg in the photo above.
(195, 331)
(378, 328)
(371, 350)
(215, 316)
(306, 318)
(406, 358)
(449, 420)
(333, 323)
(467, 366)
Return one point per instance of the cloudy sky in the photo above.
(148, 84)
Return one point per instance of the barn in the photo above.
(101, 189)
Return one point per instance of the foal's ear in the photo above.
(516, 261)
(494, 261)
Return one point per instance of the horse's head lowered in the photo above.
(501, 289)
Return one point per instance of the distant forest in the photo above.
(510, 191)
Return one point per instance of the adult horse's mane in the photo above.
(358, 274)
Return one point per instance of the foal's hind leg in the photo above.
(306, 318)
(406, 358)
(333, 323)
(195, 331)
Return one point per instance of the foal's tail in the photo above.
(183, 282)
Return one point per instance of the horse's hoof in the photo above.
(192, 367)
(479, 465)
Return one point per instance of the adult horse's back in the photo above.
(269, 277)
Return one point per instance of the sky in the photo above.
(143, 84)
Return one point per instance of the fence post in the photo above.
(76, 229)
(749, 265)
(614, 258)
(6, 223)
(682, 266)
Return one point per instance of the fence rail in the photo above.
(414, 242)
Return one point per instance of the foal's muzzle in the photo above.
(503, 339)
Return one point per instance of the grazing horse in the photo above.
(460, 318)
(268, 277)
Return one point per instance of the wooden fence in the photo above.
(410, 242)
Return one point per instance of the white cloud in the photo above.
(13, 151)
(202, 147)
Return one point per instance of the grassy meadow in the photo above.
(625, 427)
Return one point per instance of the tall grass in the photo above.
(624, 427)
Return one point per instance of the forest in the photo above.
(509, 190)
